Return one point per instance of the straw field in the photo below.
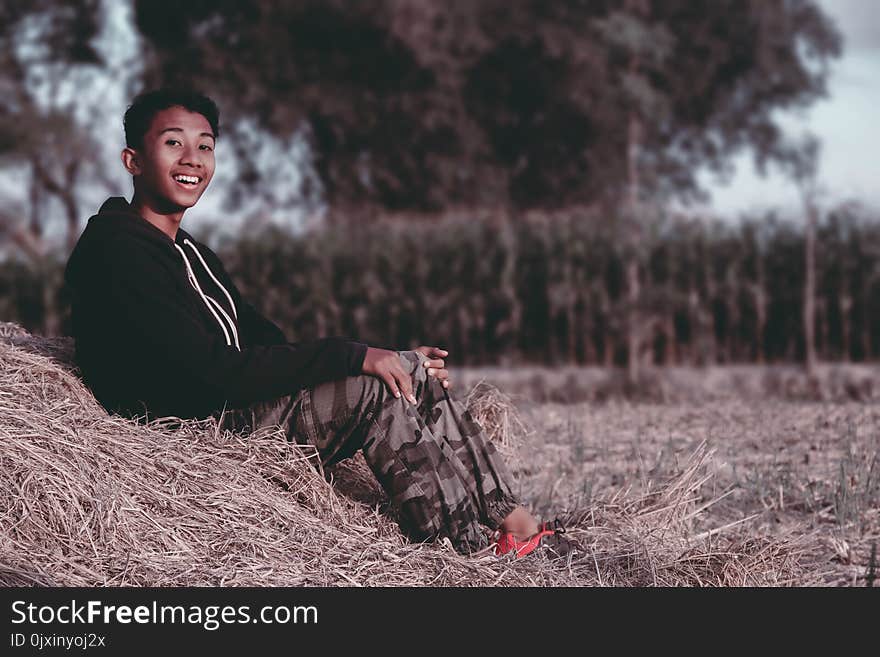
(719, 492)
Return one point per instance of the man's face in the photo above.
(176, 162)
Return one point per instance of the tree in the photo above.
(48, 73)
(44, 46)
(412, 104)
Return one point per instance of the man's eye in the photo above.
(172, 141)
(206, 147)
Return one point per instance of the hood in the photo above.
(114, 219)
(117, 226)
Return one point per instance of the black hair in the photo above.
(147, 104)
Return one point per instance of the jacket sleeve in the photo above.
(148, 301)
(256, 328)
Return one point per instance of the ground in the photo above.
(804, 471)
(703, 477)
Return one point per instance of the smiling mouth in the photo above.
(187, 182)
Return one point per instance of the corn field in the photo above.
(544, 289)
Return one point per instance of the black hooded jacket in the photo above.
(161, 330)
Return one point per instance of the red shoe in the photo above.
(550, 536)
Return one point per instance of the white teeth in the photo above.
(186, 179)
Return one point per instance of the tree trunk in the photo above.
(607, 333)
(36, 202)
(632, 321)
(633, 289)
(588, 341)
(71, 208)
(810, 290)
(51, 318)
(669, 356)
(867, 347)
(64, 191)
(760, 294)
(509, 328)
(846, 303)
(694, 324)
(731, 340)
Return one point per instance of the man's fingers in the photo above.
(405, 383)
(431, 351)
(441, 375)
(392, 385)
(438, 363)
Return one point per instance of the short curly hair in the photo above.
(147, 104)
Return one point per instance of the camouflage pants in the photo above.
(443, 475)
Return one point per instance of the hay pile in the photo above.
(90, 499)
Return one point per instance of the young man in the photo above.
(161, 330)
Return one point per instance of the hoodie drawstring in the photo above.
(211, 274)
(208, 300)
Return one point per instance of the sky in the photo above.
(845, 122)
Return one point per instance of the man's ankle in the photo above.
(520, 523)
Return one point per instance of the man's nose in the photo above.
(191, 155)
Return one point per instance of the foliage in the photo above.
(49, 120)
(412, 104)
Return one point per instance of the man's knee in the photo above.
(364, 389)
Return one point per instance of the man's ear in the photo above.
(131, 160)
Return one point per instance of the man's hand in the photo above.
(436, 365)
(385, 364)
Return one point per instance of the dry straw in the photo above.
(91, 499)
